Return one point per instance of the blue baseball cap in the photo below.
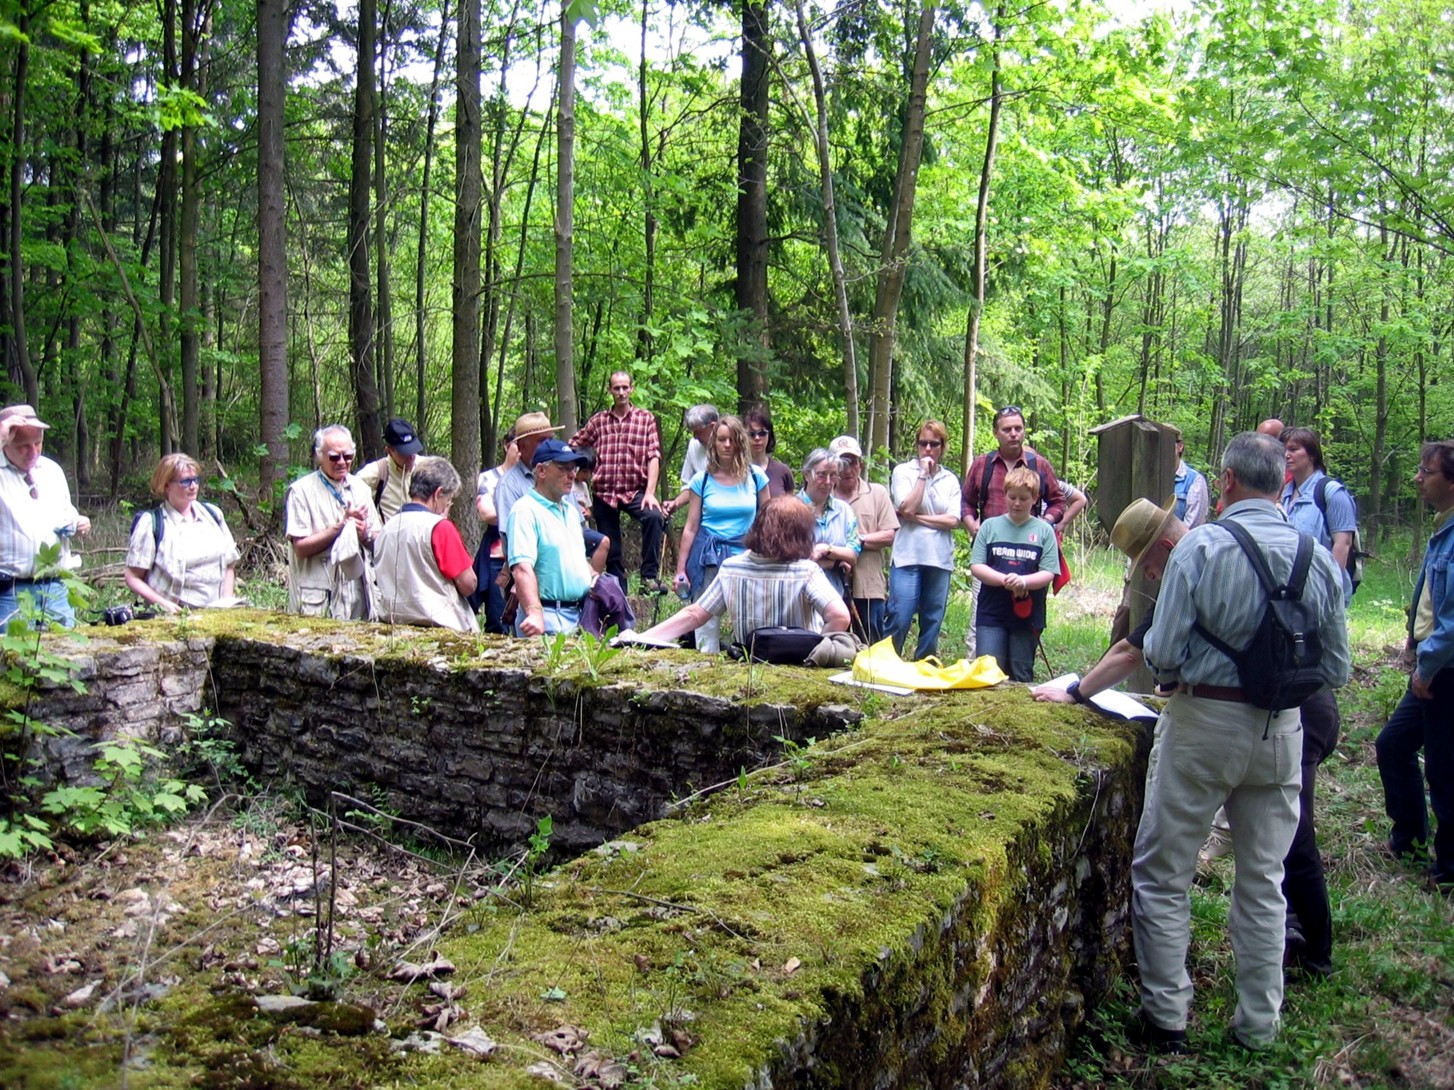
(553, 450)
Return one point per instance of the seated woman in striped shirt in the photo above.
(774, 584)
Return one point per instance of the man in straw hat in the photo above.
(35, 510)
(1214, 748)
(1146, 534)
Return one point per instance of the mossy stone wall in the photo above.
(935, 896)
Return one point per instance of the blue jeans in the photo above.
(51, 597)
(869, 624)
(1428, 725)
(917, 589)
(556, 619)
(1013, 649)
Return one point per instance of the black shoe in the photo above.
(1146, 1033)
(1311, 968)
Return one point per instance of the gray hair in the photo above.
(699, 416)
(324, 432)
(817, 456)
(1258, 461)
(431, 474)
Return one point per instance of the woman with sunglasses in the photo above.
(331, 523)
(762, 441)
(926, 496)
(181, 552)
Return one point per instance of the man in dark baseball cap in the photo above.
(388, 477)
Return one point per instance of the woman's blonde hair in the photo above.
(169, 469)
(737, 467)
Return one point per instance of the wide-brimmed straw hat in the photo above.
(532, 424)
(1141, 525)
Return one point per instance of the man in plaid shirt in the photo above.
(628, 459)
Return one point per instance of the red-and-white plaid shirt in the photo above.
(625, 445)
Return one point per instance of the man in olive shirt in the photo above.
(877, 524)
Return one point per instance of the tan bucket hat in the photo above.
(1141, 525)
(531, 424)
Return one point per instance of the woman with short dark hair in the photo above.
(774, 584)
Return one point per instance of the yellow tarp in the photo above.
(881, 665)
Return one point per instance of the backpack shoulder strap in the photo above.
(213, 510)
(158, 525)
(984, 484)
(383, 480)
(1032, 462)
(1253, 554)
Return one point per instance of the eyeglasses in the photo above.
(336, 456)
(1009, 410)
(930, 443)
(758, 434)
(187, 482)
(824, 475)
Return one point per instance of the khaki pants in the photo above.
(1211, 753)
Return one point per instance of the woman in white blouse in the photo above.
(926, 496)
(181, 552)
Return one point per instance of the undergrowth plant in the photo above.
(126, 793)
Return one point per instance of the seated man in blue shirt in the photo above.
(547, 546)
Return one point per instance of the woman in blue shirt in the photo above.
(1333, 528)
(723, 502)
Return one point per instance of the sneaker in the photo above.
(1146, 1033)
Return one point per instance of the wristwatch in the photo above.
(1074, 691)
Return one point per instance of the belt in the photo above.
(1229, 693)
(10, 582)
(554, 603)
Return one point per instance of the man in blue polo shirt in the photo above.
(547, 546)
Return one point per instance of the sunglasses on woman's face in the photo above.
(187, 482)
(756, 434)
(931, 443)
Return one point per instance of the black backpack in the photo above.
(1281, 667)
(778, 646)
(1356, 553)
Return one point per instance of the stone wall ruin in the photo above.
(950, 873)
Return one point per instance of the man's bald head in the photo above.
(1273, 427)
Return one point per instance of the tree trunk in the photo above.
(272, 33)
(21, 369)
(168, 185)
(384, 326)
(194, 17)
(565, 373)
(893, 258)
(981, 219)
(420, 348)
(648, 197)
(465, 298)
(369, 438)
(752, 252)
(830, 224)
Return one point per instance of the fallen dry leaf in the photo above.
(81, 996)
(601, 1070)
(563, 1039)
(408, 971)
(791, 966)
(546, 1071)
(474, 1041)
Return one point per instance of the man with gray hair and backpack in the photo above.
(1249, 623)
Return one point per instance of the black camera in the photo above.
(115, 615)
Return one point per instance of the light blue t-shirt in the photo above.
(1301, 508)
(548, 537)
(728, 510)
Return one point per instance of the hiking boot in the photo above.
(1218, 844)
(1148, 1035)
